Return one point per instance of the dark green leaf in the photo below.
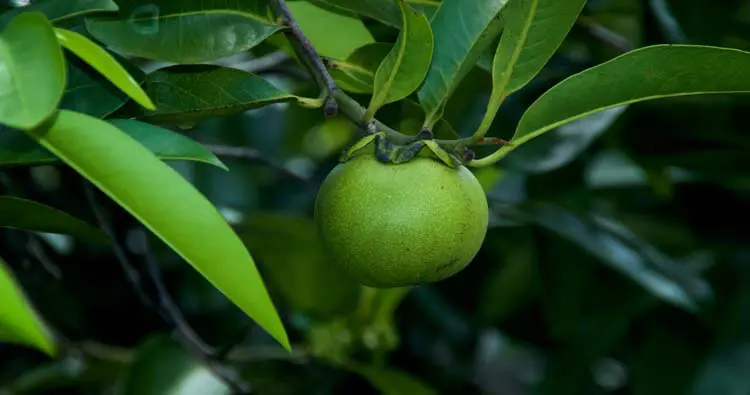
(30, 58)
(626, 253)
(19, 322)
(462, 30)
(56, 10)
(404, 69)
(17, 149)
(385, 11)
(185, 31)
(391, 381)
(357, 72)
(89, 92)
(163, 366)
(167, 205)
(105, 64)
(25, 214)
(187, 94)
(303, 274)
(648, 73)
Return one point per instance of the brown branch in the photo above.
(312, 59)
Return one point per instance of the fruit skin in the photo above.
(393, 225)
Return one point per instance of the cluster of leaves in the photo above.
(414, 65)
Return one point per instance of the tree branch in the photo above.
(304, 48)
(253, 156)
(130, 271)
(171, 313)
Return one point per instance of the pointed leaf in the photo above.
(392, 382)
(649, 73)
(19, 322)
(462, 30)
(166, 204)
(25, 214)
(17, 149)
(357, 72)
(56, 10)
(532, 32)
(89, 92)
(188, 31)
(405, 67)
(105, 64)
(30, 58)
(186, 94)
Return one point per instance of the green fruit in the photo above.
(393, 225)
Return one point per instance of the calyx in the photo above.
(388, 151)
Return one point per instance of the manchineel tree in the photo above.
(106, 95)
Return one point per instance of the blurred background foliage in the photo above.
(617, 262)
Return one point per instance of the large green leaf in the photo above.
(17, 149)
(19, 322)
(532, 32)
(101, 61)
(333, 35)
(162, 366)
(649, 73)
(302, 275)
(166, 204)
(462, 30)
(404, 69)
(89, 92)
(30, 58)
(356, 73)
(185, 31)
(56, 10)
(17, 213)
(189, 93)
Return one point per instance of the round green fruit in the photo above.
(393, 225)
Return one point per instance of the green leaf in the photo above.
(17, 149)
(533, 31)
(56, 10)
(187, 94)
(357, 72)
(405, 67)
(391, 381)
(89, 92)
(333, 35)
(17, 213)
(19, 322)
(30, 58)
(385, 11)
(185, 31)
(649, 73)
(167, 205)
(302, 275)
(462, 30)
(105, 64)
(162, 366)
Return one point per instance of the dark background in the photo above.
(618, 259)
